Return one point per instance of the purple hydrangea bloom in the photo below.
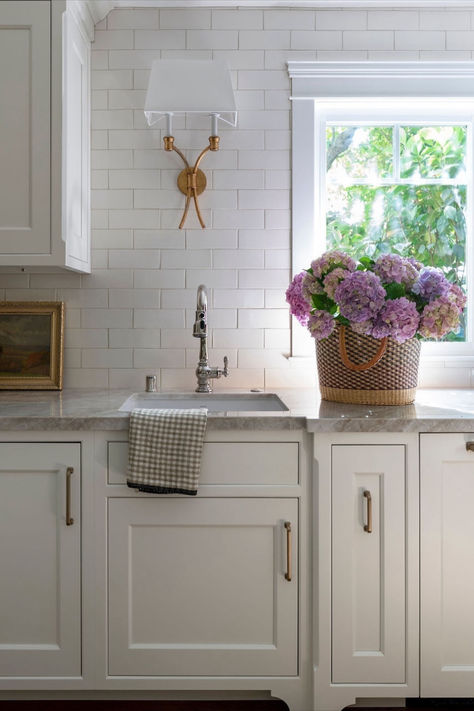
(299, 306)
(415, 263)
(321, 324)
(310, 286)
(332, 280)
(391, 267)
(329, 260)
(431, 284)
(439, 317)
(360, 296)
(457, 296)
(364, 328)
(397, 318)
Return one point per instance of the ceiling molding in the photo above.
(104, 6)
(381, 79)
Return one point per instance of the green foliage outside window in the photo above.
(412, 204)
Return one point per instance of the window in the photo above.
(385, 175)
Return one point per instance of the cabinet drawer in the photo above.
(243, 463)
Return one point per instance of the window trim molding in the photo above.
(329, 81)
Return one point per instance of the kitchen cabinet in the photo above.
(447, 569)
(44, 141)
(368, 571)
(200, 587)
(40, 590)
(366, 567)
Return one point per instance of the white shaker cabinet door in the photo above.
(197, 587)
(25, 128)
(368, 564)
(447, 566)
(40, 612)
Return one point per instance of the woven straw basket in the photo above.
(368, 371)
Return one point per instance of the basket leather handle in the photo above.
(362, 366)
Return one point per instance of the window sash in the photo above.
(309, 195)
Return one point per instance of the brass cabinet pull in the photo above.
(69, 473)
(288, 575)
(368, 525)
(469, 446)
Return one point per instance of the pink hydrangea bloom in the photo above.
(321, 324)
(392, 268)
(330, 260)
(310, 286)
(360, 296)
(332, 280)
(457, 296)
(364, 328)
(299, 306)
(397, 318)
(439, 317)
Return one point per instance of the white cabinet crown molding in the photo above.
(100, 8)
(380, 79)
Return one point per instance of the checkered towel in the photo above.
(165, 449)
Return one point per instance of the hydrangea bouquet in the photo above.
(392, 297)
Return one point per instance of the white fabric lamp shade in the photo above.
(179, 86)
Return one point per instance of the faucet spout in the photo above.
(204, 372)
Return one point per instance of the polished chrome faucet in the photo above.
(204, 372)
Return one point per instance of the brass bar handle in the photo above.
(288, 574)
(69, 519)
(368, 525)
(469, 446)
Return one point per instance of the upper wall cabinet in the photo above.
(44, 136)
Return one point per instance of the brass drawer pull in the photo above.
(368, 525)
(69, 519)
(469, 446)
(288, 574)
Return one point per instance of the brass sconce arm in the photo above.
(191, 181)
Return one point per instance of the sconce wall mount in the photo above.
(176, 87)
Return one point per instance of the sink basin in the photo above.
(221, 402)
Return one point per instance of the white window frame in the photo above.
(323, 90)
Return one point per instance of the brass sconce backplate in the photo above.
(186, 176)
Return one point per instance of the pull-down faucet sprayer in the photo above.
(204, 372)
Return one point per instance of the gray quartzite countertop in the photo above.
(433, 411)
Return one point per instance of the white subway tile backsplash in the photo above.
(394, 20)
(237, 19)
(213, 39)
(107, 358)
(432, 20)
(238, 259)
(267, 39)
(372, 39)
(420, 40)
(106, 318)
(341, 20)
(177, 19)
(319, 39)
(133, 19)
(113, 39)
(134, 259)
(133, 314)
(162, 39)
(289, 19)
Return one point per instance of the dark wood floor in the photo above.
(129, 705)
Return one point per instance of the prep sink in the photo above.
(222, 402)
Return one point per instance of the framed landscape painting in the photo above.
(31, 345)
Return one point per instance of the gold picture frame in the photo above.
(31, 345)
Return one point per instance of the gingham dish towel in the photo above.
(165, 449)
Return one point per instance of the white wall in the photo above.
(134, 314)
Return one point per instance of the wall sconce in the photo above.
(182, 86)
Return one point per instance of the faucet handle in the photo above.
(225, 372)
